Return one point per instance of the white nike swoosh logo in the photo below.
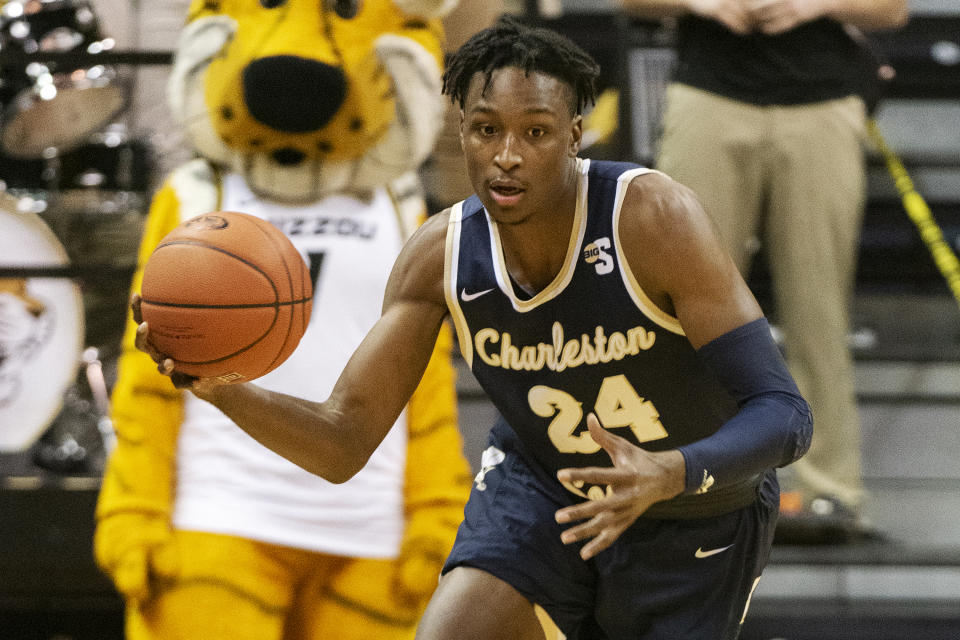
(712, 552)
(467, 297)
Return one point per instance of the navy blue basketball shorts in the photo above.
(662, 579)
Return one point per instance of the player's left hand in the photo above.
(638, 478)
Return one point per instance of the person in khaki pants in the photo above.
(764, 122)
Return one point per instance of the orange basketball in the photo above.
(226, 295)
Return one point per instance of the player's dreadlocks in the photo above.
(510, 43)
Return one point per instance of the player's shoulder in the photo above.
(423, 254)
(656, 204)
(433, 231)
(418, 271)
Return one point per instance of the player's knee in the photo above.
(451, 614)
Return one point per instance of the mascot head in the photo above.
(306, 98)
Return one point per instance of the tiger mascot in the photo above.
(314, 115)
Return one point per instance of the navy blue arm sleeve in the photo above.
(773, 426)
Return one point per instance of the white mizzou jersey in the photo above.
(226, 481)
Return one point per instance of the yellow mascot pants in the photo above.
(232, 588)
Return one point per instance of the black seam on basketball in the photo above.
(278, 249)
(207, 245)
(249, 305)
(238, 351)
(232, 354)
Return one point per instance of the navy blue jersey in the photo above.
(589, 341)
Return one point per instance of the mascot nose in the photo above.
(293, 94)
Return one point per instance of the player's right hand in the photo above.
(165, 365)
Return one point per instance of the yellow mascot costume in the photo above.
(313, 114)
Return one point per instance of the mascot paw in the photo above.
(418, 571)
(133, 549)
(131, 575)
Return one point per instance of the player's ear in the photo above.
(576, 135)
(461, 128)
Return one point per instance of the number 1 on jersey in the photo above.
(315, 263)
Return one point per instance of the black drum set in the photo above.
(73, 197)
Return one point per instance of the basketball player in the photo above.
(630, 489)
